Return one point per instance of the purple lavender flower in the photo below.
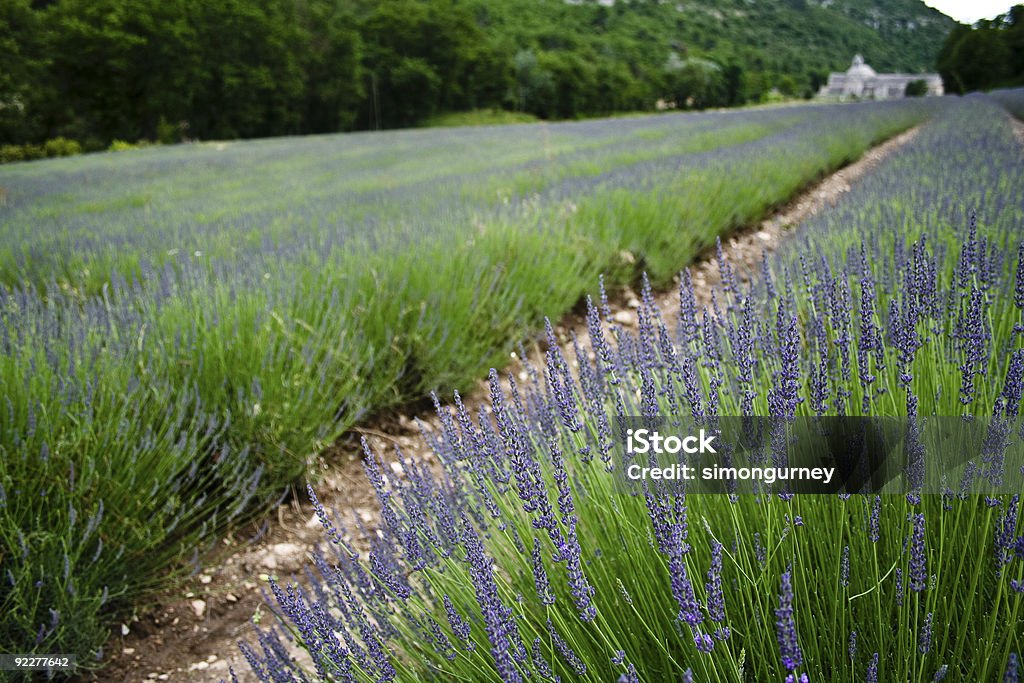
(874, 525)
(1013, 387)
(940, 674)
(924, 639)
(973, 338)
(386, 573)
(852, 647)
(844, 567)
(899, 587)
(458, 625)
(1003, 535)
(785, 625)
(565, 650)
(498, 619)
(868, 342)
(630, 676)
(713, 587)
(442, 644)
(687, 331)
(1011, 674)
(803, 678)
(783, 397)
(688, 676)
(967, 265)
(539, 663)
(703, 641)
(724, 269)
(918, 562)
(619, 657)
(682, 590)
(579, 585)
(872, 675)
(540, 576)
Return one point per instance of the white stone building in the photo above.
(862, 82)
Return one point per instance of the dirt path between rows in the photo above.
(191, 635)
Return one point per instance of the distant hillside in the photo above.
(768, 39)
(99, 70)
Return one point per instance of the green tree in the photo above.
(917, 88)
(987, 56)
(332, 67)
(250, 82)
(425, 57)
(696, 83)
(25, 88)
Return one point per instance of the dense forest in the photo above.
(101, 70)
(988, 55)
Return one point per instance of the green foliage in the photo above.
(988, 55)
(99, 70)
(479, 117)
(918, 88)
(425, 57)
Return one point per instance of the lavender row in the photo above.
(521, 560)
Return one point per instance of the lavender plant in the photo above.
(183, 330)
(522, 559)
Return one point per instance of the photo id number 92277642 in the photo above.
(19, 662)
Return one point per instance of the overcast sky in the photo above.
(969, 11)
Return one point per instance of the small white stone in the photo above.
(205, 579)
(128, 651)
(626, 318)
(199, 607)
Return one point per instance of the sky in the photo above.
(969, 11)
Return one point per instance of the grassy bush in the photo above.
(479, 117)
(525, 560)
(57, 147)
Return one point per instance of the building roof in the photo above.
(859, 69)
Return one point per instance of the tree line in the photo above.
(96, 71)
(988, 55)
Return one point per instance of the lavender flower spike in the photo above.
(918, 567)
(872, 674)
(1012, 675)
(785, 625)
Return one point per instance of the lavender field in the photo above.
(184, 330)
(524, 561)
